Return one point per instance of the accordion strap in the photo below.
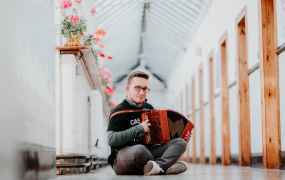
(128, 111)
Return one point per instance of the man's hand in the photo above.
(145, 124)
(188, 136)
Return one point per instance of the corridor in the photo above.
(195, 172)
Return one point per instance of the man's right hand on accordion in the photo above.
(188, 136)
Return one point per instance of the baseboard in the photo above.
(234, 159)
(256, 160)
(219, 160)
(36, 161)
(282, 160)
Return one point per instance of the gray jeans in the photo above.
(131, 159)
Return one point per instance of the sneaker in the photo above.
(177, 168)
(151, 168)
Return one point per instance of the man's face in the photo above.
(135, 96)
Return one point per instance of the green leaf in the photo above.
(77, 26)
(75, 10)
(75, 33)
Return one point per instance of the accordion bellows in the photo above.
(165, 125)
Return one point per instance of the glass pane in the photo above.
(255, 112)
(282, 98)
(280, 9)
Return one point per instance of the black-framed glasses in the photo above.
(138, 89)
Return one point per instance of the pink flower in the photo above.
(78, 1)
(103, 73)
(101, 46)
(102, 55)
(74, 17)
(65, 4)
(91, 36)
(109, 57)
(100, 32)
(93, 11)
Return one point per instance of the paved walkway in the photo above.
(195, 172)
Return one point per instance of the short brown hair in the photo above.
(137, 74)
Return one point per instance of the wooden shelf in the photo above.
(70, 48)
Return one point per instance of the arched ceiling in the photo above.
(153, 31)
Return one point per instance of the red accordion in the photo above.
(165, 125)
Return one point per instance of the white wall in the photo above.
(282, 98)
(198, 134)
(207, 36)
(280, 5)
(207, 135)
(281, 39)
(234, 143)
(255, 112)
(67, 109)
(218, 126)
(27, 79)
(98, 126)
(219, 18)
(81, 112)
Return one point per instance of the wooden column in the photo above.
(186, 114)
(226, 152)
(202, 158)
(194, 158)
(212, 110)
(243, 91)
(269, 80)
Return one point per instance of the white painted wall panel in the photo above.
(27, 80)
(234, 143)
(282, 98)
(207, 36)
(218, 126)
(67, 109)
(190, 144)
(255, 112)
(197, 131)
(81, 93)
(98, 126)
(280, 11)
(207, 130)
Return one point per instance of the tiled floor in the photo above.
(195, 172)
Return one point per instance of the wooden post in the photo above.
(212, 110)
(202, 158)
(243, 91)
(269, 80)
(194, 158)
(226, 152)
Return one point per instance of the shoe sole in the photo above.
(177, 172)
(147, 168)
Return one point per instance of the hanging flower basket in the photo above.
(73, 28)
